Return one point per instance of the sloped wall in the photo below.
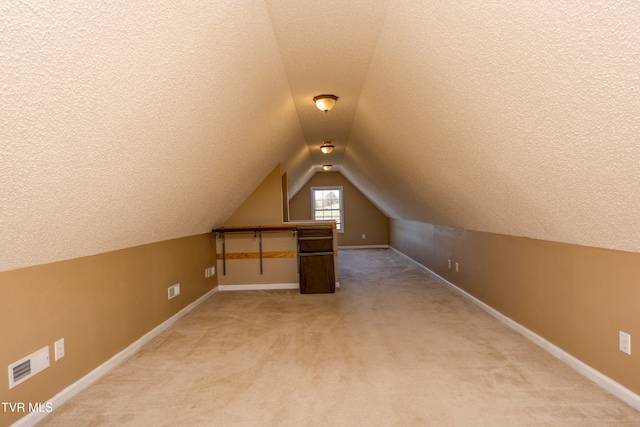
(516, 118)
(128, 123)
(575, 297)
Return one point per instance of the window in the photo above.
(326, 205)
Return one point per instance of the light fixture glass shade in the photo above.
(325, 102)
(326, 167)
(326, 147)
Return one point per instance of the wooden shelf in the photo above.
(257, 232)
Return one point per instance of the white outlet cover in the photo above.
(173, 291)
(209, 272)
(58, 349)
(625, 343)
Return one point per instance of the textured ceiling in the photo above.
(326, 48)
(135, 122)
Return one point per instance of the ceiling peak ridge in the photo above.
(326, 59)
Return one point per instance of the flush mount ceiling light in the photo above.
(326, 147)
(325, 102)
(326, 167)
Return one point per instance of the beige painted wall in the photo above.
(576, 297)
(99, 304)
(360, 215)
(247, 271)
(263, 208)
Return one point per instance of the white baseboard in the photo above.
(59, 399)
(261, 287)
(364, 247)
(258, 287)
(613, 387)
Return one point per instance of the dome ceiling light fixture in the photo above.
(326, 167)
(326, 147)
(325, 102)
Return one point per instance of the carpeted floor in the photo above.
(392, 346)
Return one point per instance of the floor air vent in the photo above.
(28, 366)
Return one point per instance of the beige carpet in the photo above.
(392, 346)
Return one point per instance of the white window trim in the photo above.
(330, 187)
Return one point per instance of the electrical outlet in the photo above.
(208, 272)
(364, 236)
(625, 343)
(173, 291)
(457, 267)
(58, 348)
(449, 264)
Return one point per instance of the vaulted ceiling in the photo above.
(134, 122)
